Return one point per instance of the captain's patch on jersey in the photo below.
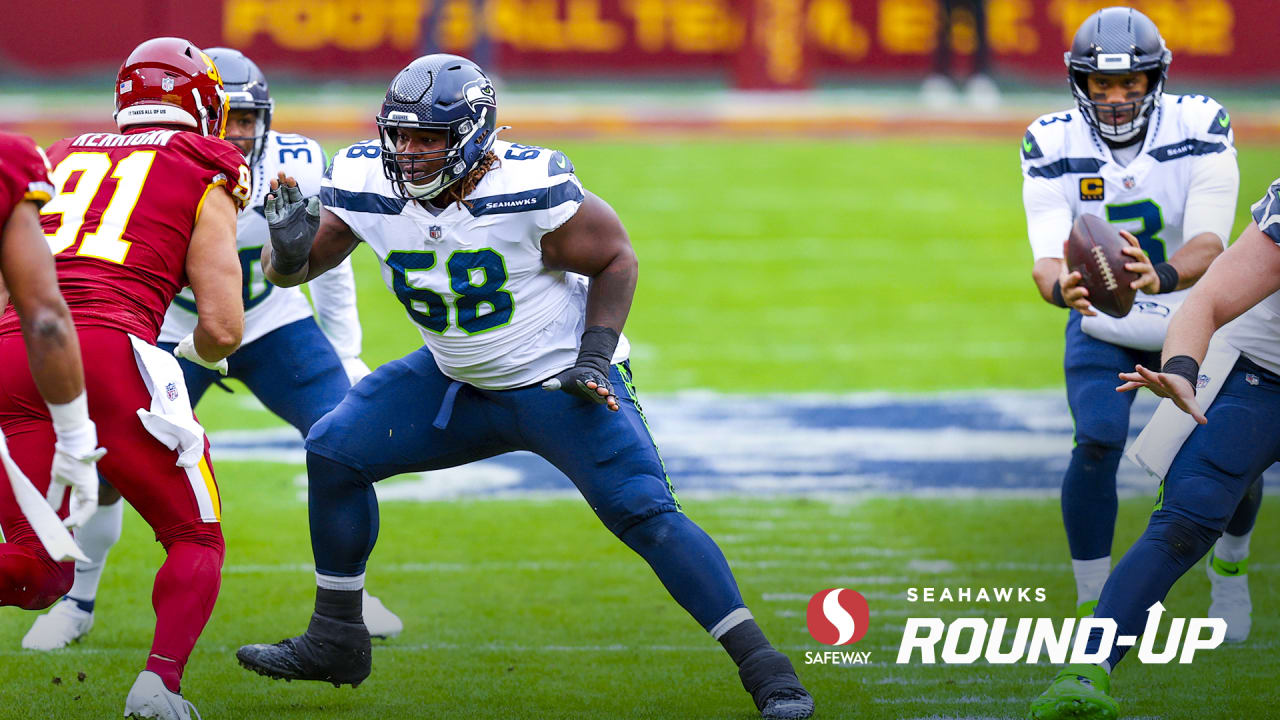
(1091, 188)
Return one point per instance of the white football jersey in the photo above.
(1068, 171)
(1256, 333)
(268, 307)
(471, 277)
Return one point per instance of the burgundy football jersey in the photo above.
(122, 218)
(24, 174)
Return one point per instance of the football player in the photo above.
(1218, 464)
(1163, 168)
(138, 215)
(489, 246)
(296, 367)
(65, 453)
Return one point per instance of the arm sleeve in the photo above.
(1266, 212)
(1048, 216)
(334, 295)
(1211, 196)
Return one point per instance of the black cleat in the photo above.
(768, 675)
(331, 650)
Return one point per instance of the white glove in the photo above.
(356, 369)
(75, 458)
(187, 350)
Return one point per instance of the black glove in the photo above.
(594, 356)
(293, 222)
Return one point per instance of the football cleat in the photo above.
(64, 624)
(774, 687)
(1079, 692)
(381, 622)
(331, 650)
(149, 698)
(1086, 609)
(1229, 593)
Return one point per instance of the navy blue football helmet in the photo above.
(444, 93)
(1118, 41)
(246, 88)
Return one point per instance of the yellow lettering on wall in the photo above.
(589, 31)
(456, 25)
(832, 28)
(908, 27)
(304, 25)
(1211, 27)
(705, 26)
(1009, 29)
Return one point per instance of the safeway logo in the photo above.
(838, 616)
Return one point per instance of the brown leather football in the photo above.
(1093, 249)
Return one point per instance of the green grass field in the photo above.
(771, 266)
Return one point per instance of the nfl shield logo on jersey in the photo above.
(171, 390)
(436, 232)
(1129, 182)
(166, 83)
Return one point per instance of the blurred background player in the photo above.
(138, 215)
(54, 447)
(299, 369)
(487, 245)
(1217, 467)
(1161, 166)
(939, 88)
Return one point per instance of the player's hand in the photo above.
(187, 350)
(1075, 295)
(1174, 387)
(75, 465)
(356, 369)
(1148, 282)
(586, 382)
(292, 221)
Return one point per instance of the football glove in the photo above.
(594, 356)
(75, 458)
(293, 222)
(187, 350)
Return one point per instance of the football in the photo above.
(1093, 249)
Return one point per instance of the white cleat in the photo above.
(64, 624)
(381, 622)
(149, 698)
(1229, 590)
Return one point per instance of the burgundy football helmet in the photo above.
(169, 81)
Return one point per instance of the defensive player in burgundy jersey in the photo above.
(63, 449)
(140, 214)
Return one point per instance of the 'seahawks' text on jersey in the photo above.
(471, 277)
(1181, 182)
(266, 306)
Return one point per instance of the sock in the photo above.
(689, 564)
(186, 588)
(1089, 500)
(1232, 548)
(343, 509)
(1169, 547)
(340, 604)
(1090, 575)
(95, 537)
(744, 639)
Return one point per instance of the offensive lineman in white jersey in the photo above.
(487, 245)
(286, 359)
(1163, 168)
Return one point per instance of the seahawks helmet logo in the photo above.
(479, 92)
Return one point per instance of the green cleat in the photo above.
(1079, 692)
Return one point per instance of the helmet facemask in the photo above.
(425, 175)
(261, 124)
(1102, 115)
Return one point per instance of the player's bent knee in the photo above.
(1186, 541)
(32, 582)
(1100, 450)
(208, 535)
(651, 529)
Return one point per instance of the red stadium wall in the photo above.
(758, 43)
